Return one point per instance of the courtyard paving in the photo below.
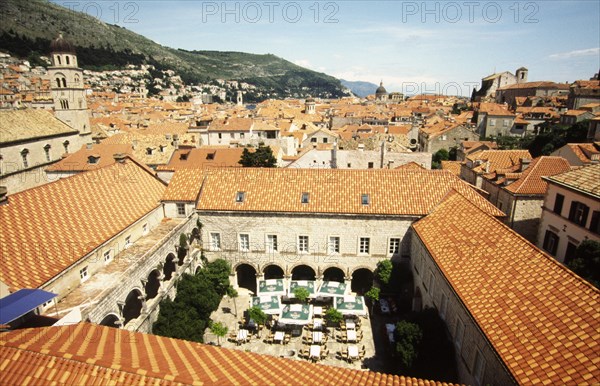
(226, 315)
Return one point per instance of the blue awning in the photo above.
(21, 302)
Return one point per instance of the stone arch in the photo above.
(169, 267)
(153, 284)
(303, 272)
(273, 271)
(362, 280)
(110, 320)
(334, 273)
(246, 276)
(133, 305)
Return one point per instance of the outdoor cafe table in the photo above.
(242, 335)
(317, 336)
(317, 323)
(351, 335)
(353, 351)
(350, 324)
(279, 335)
(315, 351)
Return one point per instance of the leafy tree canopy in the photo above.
(301, 294)
(333, 316)
(258, 315)
(261, 158)
(384, 271)
(586, 262)
(408, 336)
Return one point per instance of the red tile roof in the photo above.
(79, 161)
(203, 157)
(88, 354)
(541, 318)
(531, 182)
(586, 179)
(185, 185)
(48, 228)
(497, 159)
(391, 192)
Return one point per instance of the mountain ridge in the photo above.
(33, 23)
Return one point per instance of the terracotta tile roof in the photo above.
(203, 157)
(452, 166)
(531, 182)
(541, 318)
(494, 109)
(412, 165)
(79, 161)
(540, 84)
(97, 355)
(69, 218)
(18, 125)
(231, 124)
(586, 179)
(497, 159)
(184, 185)
(586, 152)
(391, 192)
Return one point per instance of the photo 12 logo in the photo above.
(114, 12)
(469, 11)
(269, 12)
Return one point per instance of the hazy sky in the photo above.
(413, 46)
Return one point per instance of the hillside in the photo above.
(29, 26)
(359, 88)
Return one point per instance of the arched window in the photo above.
(76, 79)
(24, 154)
(66, 145)
(67, 59)
(64, 82)
(58, 82)
(58, 59)
(47, 151)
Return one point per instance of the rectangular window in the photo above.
(394, 247)
(180, 209)
(239, 197)
(364, 245)
(232, 135)
(83, 274)
(325, 140)
(47, 151)
(370, 165)
(478, 367)
(303, 244)
(459, 334)
(550, 242)
(595, 223)
(570, 253)
(107, 256)
(271, 243)
(492, 122)
(313, 140)
(242, 135)
(127, 242)
(505, 123)
(444, 306)
(305, 198)
(364, 199)
(220, 135)
(558, 203)
(579, 213)
(244, 242)
(145, 229)
(333, 246)
(215, 241)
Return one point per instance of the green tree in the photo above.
(218, 273)
(177, 320)
(586, 262)
(262, 157)
(384, 271)
(438, 157)
(258, 315)
(233, 294)
(219, 330)
(301, 294)
(198, 292)
(408, 336)
(373, 295)
(333, 316)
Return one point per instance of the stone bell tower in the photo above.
(66, 80)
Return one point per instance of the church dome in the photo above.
(60, 44)
(381, 90)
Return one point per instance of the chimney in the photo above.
(3, 195)
(524, 164)
(334, 156)
(391, 164)
(134, 144)
(120, 157)
(88, 146)
(361, 147)
(176, 141)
